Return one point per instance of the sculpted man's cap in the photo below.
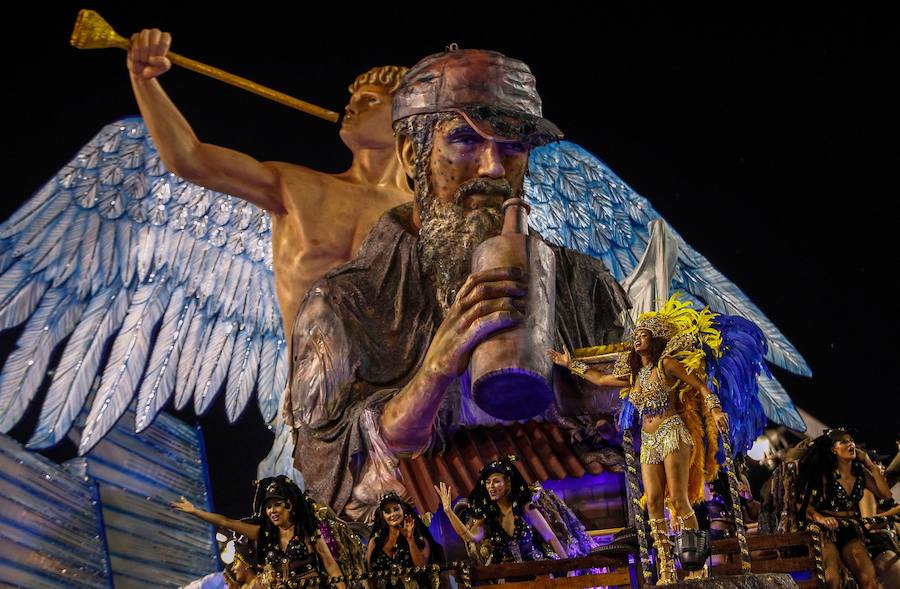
(494, 93)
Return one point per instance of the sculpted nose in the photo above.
(490, 164)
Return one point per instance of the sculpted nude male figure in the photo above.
(318, 219)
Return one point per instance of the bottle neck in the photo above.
(515, 217)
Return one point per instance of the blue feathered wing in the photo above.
(578, 202)
(156, 286)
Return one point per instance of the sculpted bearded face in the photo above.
(467, 176)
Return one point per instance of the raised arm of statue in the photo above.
(218, 168)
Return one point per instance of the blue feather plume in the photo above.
(733, 378)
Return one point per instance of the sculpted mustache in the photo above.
(484, 187)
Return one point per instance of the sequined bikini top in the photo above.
(652, 396)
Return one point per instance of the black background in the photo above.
(765, 138)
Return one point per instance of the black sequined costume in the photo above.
(401, 559)
(519, 547)
(295, 563)
(836, 500)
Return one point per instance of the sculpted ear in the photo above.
(407, 155)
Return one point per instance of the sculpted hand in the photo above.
(488, 301)
(147, 56)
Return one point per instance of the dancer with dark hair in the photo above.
(504, 515)
(833, 478)
(243, 571)
(284, 528)
(883, 539)
(400, 540)
(663, 380)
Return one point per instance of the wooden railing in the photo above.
(797, 553)
(617, 572)
(777, 553)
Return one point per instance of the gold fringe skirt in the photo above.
(668, 437)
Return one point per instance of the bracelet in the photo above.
(712, 402)
(578, 367)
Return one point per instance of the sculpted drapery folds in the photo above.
(381, 344)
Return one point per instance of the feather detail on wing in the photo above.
(146, 278)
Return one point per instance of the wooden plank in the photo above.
(545, 567)
(781, 565)
(763, 542)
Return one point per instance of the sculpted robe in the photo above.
(362, 332)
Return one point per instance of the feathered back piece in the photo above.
(724, 351)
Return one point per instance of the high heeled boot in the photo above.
(664, 562)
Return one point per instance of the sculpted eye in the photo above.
(465, 136)
(515, 147)
(465, 140)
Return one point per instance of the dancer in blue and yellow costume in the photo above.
(668, 378)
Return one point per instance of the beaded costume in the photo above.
(690, 336)
(836, 500)
(653, 397)
(726, 354)
(671, 434)
(298, 560)
(519, 547)
(295, 562)
(498, 545)
(400, 559)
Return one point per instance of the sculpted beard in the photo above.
(449, 235)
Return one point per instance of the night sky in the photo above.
(763, 137)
